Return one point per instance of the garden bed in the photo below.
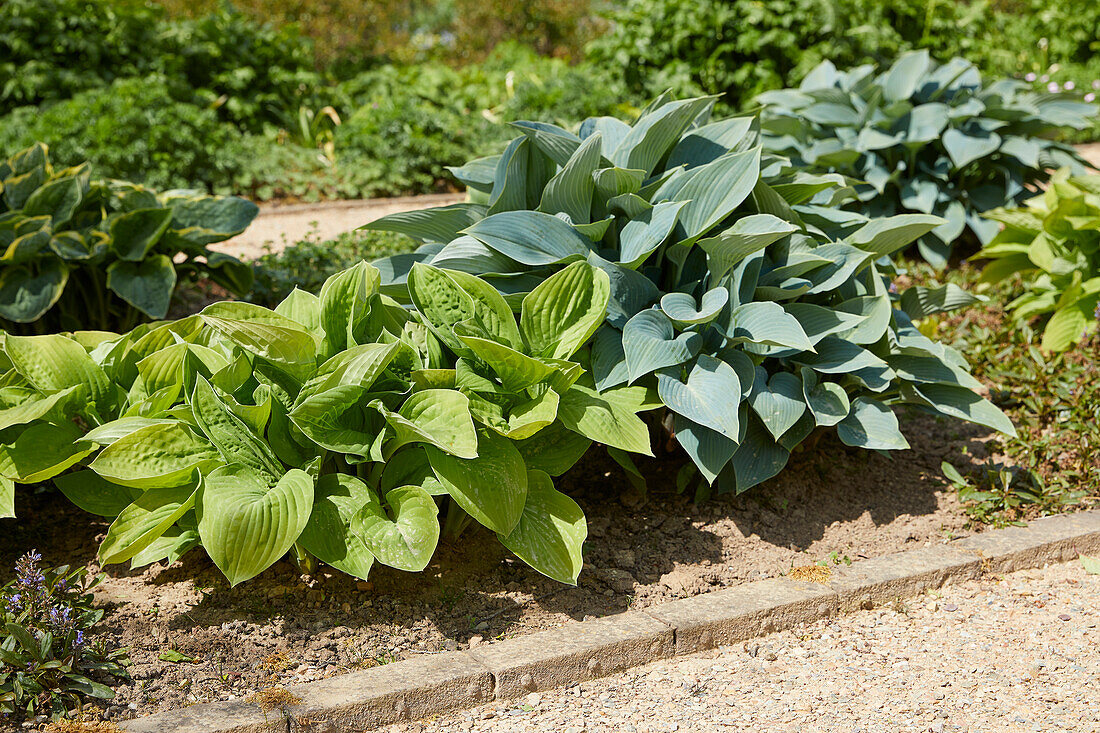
(193, 639)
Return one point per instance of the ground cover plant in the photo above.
(83, 253)
(1050, 248)
(928, 137)
(729, 274)
(51, 659)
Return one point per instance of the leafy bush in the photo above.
(729, 275)
(925, 137)
(741, 48)
(50, 660)
(1053, 242)
(328, 425)
(83, 254)
(307, 263)
(132, 130)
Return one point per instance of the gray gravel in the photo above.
(1011, 653)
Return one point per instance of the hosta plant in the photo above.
(756, 310)
(336, 427)
(80, 253)
(1053, 242)
(926, 137)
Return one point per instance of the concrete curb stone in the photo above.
(425, 686)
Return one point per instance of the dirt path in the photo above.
(1012, 653)
(282, 225)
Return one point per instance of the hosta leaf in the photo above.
(715, 190)
(962, 403)
(330, 534)
(837, 356)
(144, 521)
(439, 224)
(148, 285)
(54, 363)
(710, 451)
(246, 524)
(610, 417)
(828, 401)
(650, 343)
(748, 234)
(871, 425)
(887, 235)
(57, 199)
(48, 408)
(562, 313)
(654, 134)
(135, 233)
(767, 323)
(444, 300)
(570, 190)
(492, 488)
(1065, 328)
(338, 419)
(94, 494)
(778, 402)
(279, 340)
(170, 546)
(344, 305)
(157, 456)
(644, 233)
(758, 458)
(26, 294)
(551, 531)
(530, 237)
(229, 434)
(903, 78)
(682, 309)
(516, 370)
(554, 449)
(697, 401)
(42, 451)
(921, 302)
(408, 540)
(965, 148)
(437, 417)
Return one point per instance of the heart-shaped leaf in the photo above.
(551, 531)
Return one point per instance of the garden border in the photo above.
(439, 683)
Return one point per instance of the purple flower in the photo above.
(1030, 76)
(1052, 87)
(79, 641)
(1096, 84)
(1044, 78)
(1069, 85)
(1090, 97)
(893, 287)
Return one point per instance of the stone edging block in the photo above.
(438, 683)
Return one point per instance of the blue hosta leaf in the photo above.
(886, 236)
(557, 143)
(767, 323)
(530, 237)
(921, 302)
(709, 450)
(965, 148)
(570, 190)
(654, 134)
(872, 425)
(710, 397)
(650, 343)
(612, 131)
(904, 77)
(705, 144)
(440, 224)
(818, 321)
(551, 531)
(681, 307)
(962, 403)
(828, 401)
(714, 191)
(643, 234)
(608, 358)
(631, 292)
(758, 458)
(837, 356)
(748, 235)
(778, 401)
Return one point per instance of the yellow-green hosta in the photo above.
(1053, 241)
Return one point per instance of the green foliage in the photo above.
(927, 137)
(1053, 242)
(166, 144)
(729, 274)
(54, 49)
(307, 263)
(50, 660)
(94, 254)
(330, 425)
(1053, 399)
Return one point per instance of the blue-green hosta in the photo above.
(99, 254)
(755, 310)
(1053, 240)
(926, 137)
(336, 426)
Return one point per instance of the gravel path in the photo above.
(1011, 653)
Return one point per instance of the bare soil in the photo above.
(831, 504)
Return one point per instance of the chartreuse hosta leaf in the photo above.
(404, 533)
(562, 313)
(156, 456)
(144, 521)
(436, 417)
(54, 363)
(550, 532)
(330, 535)
(246, 523)
(491, 488)
(7, 498)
